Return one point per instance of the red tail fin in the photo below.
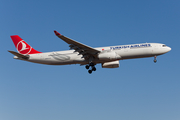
(22, 47)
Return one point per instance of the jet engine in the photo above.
(113, 64)
(108, 56)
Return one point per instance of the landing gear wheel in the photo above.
(90, 71)
(87, 66)
(155, 61)
(91, 66)
(93, 69)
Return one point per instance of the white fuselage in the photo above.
(123, 51)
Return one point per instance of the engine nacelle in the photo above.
(108, 56)
(113, 64)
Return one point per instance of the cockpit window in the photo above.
(164, 45)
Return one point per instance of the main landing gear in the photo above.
(155, 59)
(93, 68)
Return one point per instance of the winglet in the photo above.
(56, 33)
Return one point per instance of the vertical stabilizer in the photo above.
(22, 47)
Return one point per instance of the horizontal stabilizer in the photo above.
(19, 55)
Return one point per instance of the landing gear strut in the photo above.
(93, 68)
(155, 59)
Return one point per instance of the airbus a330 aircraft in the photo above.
(82, 54)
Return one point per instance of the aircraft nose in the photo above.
(169, 49)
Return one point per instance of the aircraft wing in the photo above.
(85, 50)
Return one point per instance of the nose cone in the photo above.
(169, 49)
(161, 50)
(166, 49)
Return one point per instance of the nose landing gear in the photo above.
(155, 59)
(93, 68)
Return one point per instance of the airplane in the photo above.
(82, 54)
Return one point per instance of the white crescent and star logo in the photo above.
(23, 48)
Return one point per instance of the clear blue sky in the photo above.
(138, 90)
